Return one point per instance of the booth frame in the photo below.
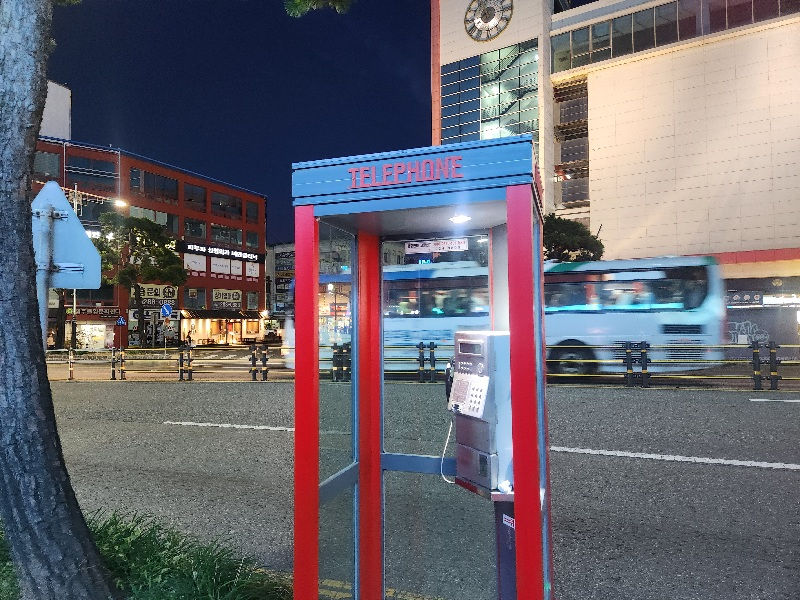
(494, 170)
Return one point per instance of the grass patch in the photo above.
(151, 562)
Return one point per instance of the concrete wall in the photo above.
(696, 149)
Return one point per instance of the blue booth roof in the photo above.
(431, 181)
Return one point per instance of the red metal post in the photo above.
(306, 403)
(370, 384)
(524, 395)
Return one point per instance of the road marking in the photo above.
(773, 400)
(689, 459)
(261, 427)
(229, 426)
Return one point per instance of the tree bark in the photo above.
(53, 553)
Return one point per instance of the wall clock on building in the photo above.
(486, 19)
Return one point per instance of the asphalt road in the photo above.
(656, 524)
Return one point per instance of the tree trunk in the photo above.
(142, 323)
(54, 555)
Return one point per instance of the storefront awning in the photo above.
(230, 315)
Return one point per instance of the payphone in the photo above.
(480, 399)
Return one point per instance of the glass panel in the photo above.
(716, 15)
(740, 12)
(580, 41)
(560, 52)
(643, 31)
(337, 563)
(666, 24)
(47, 164)
(425, 301)
(621, 36)
(579, 61)
(765, 9)
(252, 212)
(472, 94)
(449, 78)
(789, 7)
(434, 528)
(336, 392)
(689, 21)
(601, 35)
(194, 197)
(598, 55)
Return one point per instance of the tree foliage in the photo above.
(297, 8)
(137, 251)
(569, 241)
(134, 251)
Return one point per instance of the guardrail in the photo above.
(637, 363)
(183, 363)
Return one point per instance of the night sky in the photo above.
(236, 90)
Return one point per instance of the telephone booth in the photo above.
(375, 514)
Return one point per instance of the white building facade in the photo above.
(669, 127)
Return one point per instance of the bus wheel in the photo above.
(571, 359)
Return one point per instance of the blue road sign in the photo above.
(166, 310)
(121, 321)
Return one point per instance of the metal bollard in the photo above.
(756, 365)
(432, 360)
(773, 366)
(264, 357)
(421, 361)
(189, 363)
(628, 364)
(180, 362)
(122, 363)
(113, 364)
(334, 362)
(253, 369)
(71, 365)
(645, 361)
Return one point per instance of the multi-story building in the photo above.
(219, 230)
(669, 127)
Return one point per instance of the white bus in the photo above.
(591, 309)
(675, 304)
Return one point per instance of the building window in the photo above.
(224, 205)
(659, 26)
(194, 197)
(193, 228)
(166, 220)
(47, 165)
(252, 300)
(82, 163)
(492, 95)
(194, 298)
(91, 174)
(154, 187)
(226, 235)
(252, 212)
(251, 239)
